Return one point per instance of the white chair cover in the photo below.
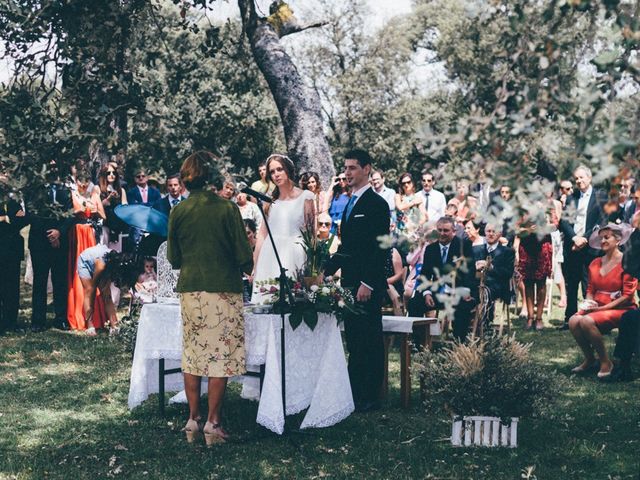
(167, 277)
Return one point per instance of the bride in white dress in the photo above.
(292, 210)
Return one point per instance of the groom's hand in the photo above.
(363, 295)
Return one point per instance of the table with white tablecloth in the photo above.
(316, 368)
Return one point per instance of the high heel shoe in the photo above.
(214, 434)
(529, 325)
(192, 430)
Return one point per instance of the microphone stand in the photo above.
(281, 305)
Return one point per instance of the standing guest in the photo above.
(634, 206)
(49, 248)
(610, 293)
(263, 185)
(434, 201)
(111, 194)
(377, 182)
(173, 196)
(227, 189)
(208, 227)
(311, 181)
(362, 262)
(535, 261)
(566, 191)
(143, 193)
(248, 210)
(12, 220)
(448, 254)
(578, 255)
(410, 209)
(505, 192)
(88, 210)
(466, 203)
(99, 267)
(337, 199)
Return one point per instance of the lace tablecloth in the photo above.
(316, 368)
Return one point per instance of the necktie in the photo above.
(143, 195)
(443, 254)
(352, 202)
(175, 201)
(426, 203)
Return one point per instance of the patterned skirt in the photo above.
(212, 334)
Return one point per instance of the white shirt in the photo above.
(358, 195)
(579, 226)
(389, 195)
(436, 207)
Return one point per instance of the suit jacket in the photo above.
(51, 210)
(595, 217)
(631, 257)
(162, 205)
(11, 242)
(465, 274)
(359, 255)
(498, 277)
(153, 195)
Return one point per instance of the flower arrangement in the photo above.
(309, 301)
(316, 252)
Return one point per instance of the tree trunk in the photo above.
(298, 105)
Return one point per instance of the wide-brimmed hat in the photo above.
(624, 229)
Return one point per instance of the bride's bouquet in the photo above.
(308, 301)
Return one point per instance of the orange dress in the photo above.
(81, 237)
(605, 289)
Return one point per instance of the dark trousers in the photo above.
(462, 314)
(627, 340)
(43, 261)
(9, 293)
(366, 350)
(575, 270)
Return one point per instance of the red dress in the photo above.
(605, 289)
(535, 257)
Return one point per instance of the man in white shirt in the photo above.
(587, 203)
(434, 201)
(377, 182)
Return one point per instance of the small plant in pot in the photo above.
(485, 384)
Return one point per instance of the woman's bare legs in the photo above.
(575, 326)
(89, 291)
(192, 389)
(529, 295)
(591, 332)
(541, 295)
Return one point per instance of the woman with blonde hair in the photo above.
(208, 243)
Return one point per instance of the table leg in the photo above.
(385, 381)
(161, 386)
(405, 371)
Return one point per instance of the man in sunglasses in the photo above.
(434, 201)
(142, 192)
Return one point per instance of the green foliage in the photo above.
(493, 376)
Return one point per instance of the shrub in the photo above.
(492, 376)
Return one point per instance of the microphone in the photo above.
(260, 196)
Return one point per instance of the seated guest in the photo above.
(251, 228)
(248, 210)
(473, 232)
(147, 282)
(396, 273)
(449, 254)
(324, 232)
(610, 292)
(497, 277)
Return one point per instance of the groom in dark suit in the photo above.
(362, 261)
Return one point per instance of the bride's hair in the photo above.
(288, 166)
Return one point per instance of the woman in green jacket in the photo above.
(208, 243)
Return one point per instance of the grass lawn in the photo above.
(63, 414)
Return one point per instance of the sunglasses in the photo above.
(324, 224)
(141, 175)
(111, 172)
(342, 179)
(407, 182)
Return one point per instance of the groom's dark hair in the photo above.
(361, 156)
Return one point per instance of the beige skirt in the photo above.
(212, 334)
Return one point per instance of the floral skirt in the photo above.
(212, 334)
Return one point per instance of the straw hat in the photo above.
(624, 230)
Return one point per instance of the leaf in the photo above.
(310, 318)
(295, 319)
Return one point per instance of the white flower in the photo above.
(326, 291)
(313, 288)
(341, 303)
(328, 279)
